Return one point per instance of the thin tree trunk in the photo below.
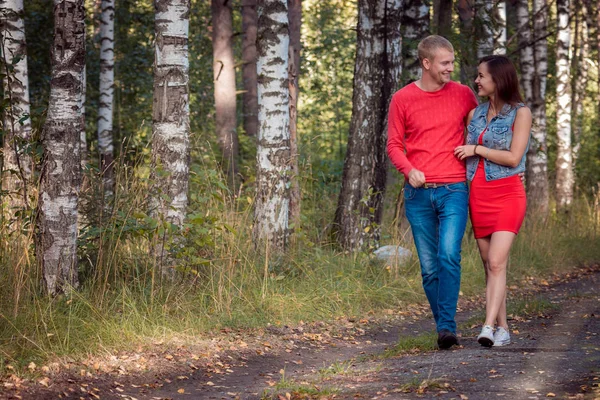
(442, 17)
(271, 214)
(537, 157)
(564, 157)
(468, 44)
(105, 109)
(500, 27)
(598, 51)
(170, 121)
(580, 70)
(61, 169)
(249, 99)
(483, 28)
(415, 26)
(525, 50)
(295, 20)
(224, 80)
(16, 176)
(377, 72)
(82, 134)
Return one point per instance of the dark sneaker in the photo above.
(446, 339)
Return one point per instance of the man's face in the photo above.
(441, 66)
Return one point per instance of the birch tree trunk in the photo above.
(105, 108)
(82, 134)
(377, 71)
(442, 17)
(271, 214)
(295, 21)
(61, 170)
(415, 26)
(537, 157)
(16, 176)
(249, 98)
(224, 80)
(483, 28)
(526, 61)
(564, 159)
(170, 120)
(500, 27)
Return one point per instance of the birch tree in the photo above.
(107, 83)
(249, 98)
(500, 27)
(415, 26)
(295, 21)
(271, 215)
(61, 170)
(526, 61)
(468, 44)
(170, 119)
(483, 28)
(377, 70)
(537, 157)
(224, 81)
(16, 177)
(564, 158)
(579, 68)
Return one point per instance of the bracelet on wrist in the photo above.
(475, 150)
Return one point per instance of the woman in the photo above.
(497, 140)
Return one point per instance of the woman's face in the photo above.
(485, 84)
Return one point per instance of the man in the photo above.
(427, 120)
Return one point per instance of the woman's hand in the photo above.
(462, 152)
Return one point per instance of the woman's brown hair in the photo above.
(504, 75)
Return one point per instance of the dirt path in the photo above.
(555, 353)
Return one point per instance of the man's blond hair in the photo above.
(428, 46)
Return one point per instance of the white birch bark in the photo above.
(564, 157)
(537, 156)
(16, 176)
(525, 50)
(105, 108)
(580, 69)
(415, 26)
(485, 35)
(82, 134)
(500, 28)
(377, 70)
(271, 216)
(61, 170)
(170, 120)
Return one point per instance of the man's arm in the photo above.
(396, 135)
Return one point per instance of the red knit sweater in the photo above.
(429, 125)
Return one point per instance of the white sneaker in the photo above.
(501, 337)
(486, 337)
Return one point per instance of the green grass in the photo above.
(423, 342)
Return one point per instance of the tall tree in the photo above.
(415, 26)
(107, 84)
(61, 170)
(536, 174)
(526, 61)
(16, 177)
(224, 80)
(271, 215)
(579, 68)
(249, 98)
(376, 77)
(468, 42)
(295, 21)
(483, 27)
(442, 17)
(564, 157)
(500, 28)
(170, 119)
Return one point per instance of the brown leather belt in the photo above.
(435, 185)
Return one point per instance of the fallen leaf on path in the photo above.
(550, 395)
(44, 381)
(181, 390)
(209, 383)
(463, 397)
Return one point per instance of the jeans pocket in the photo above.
(409, 192)
(460, 187)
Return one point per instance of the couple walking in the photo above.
(427, 121)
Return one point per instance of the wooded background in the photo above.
(146, 134)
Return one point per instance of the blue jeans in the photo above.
(438, 218)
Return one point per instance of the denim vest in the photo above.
(498, 136)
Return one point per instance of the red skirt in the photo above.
(497, 205)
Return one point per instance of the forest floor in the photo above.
(555, 352)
